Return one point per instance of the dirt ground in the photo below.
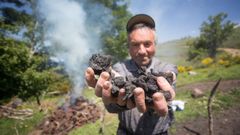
(226, 122)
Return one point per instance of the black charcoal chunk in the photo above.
(100, 63)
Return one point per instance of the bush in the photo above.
(207, 61)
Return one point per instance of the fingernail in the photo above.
(161, 79)
(106, 85)
(105, 75)
(88, 70)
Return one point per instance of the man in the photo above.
(137, 117)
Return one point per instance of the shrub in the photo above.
(207, 61)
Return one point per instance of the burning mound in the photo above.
(65, 119)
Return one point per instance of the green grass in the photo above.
(22, 127)
(109, 126)
(196, 107)
(210, 73)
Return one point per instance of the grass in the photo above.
(108, 127)
(196, 107)
(23, 127)
(209, 74)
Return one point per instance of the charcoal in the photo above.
(129, 87)
(100, 63)
(115, 90)
(117, 83)
(147, 81)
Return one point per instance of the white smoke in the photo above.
(74, 34)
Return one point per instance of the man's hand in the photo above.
(103, 89)
(159, 101)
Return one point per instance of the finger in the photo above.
(90, 78)
(139, 97)
(106, 93)
(160, 104)
(102, 79)
(120, 100)
(164, 85)
(174, 75)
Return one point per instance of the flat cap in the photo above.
(140, 18)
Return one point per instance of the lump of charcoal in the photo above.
(100, 63)
(119, 81)
(152, 86)
(141, 82)
(115, 90)
(129, 87)
(148, 100)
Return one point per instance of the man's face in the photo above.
(142, 45)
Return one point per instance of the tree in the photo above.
(213, 33)
(14, 53)
(115, 39)
(23, 67)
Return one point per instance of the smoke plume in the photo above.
(72, 29)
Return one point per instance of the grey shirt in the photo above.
(132, 121)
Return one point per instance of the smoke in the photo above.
(72, 29)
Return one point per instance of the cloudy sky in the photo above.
(180, 18)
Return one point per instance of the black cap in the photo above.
(140, 18)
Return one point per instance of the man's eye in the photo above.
(147, 44)
(134, 44)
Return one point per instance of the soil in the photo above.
(226, 122)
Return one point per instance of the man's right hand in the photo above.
(103, 87)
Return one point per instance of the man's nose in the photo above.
(142, 49)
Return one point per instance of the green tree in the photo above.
(213, 33)
(115, 39)
(24, 68)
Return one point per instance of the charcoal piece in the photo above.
(129, 87)
(167, 95)
(152, 85)
(148, 100)
(119, 81)
(100, 63)
(115, 90)
(141, 82)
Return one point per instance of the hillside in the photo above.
(234, 40)
(174, 51)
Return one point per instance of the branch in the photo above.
(209, 107)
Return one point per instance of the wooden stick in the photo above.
(209, 107)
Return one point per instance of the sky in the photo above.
(177, 19)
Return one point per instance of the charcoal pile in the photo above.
(147, 81)
(65, 118)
